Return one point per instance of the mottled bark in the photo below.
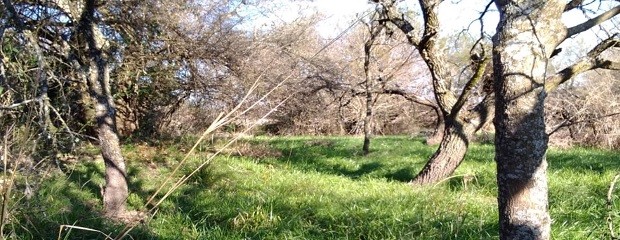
(449, 154)
(98, 77)
(367, 85)
(367, 124)
(527, 34)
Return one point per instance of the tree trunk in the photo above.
(367, 123)
(449, 155)
(437, 135)
(375, 30)
(116, 190)
(457, 130)
(528, 32)
(98, 76)
(455, 139)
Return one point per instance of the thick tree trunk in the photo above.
(98, 77)
(527, 34)
(449, 155)
(454, 144)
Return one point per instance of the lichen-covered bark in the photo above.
(527, 34)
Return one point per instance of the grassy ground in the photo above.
(317, 188)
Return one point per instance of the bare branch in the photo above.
(409, 96)
(16, 105)
(394, 91)
(390, 13)
(571, 121)
(591, 61)
(572, 5)
(480, 19)
(470, 86)
(593, 22)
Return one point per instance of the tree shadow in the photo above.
(402, 175)
(73, 198)
(338, 157)
(593, 160)
(235, 212)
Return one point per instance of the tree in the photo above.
(90, 59)
(80, 50)
(97, 73)
(459, 123)
(374, 29)
(528, 34)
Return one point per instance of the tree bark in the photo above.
(527, 34)
(437, 135)
(459, 128)
(449, 154)
(98, 78)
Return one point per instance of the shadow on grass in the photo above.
(393, 158)
(584, 160)
(252, 214)
(72, 198)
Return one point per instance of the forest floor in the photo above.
(311, 188)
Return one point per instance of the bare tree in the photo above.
(374, 29)
(585, 112)
(80, 49)
(459, 123)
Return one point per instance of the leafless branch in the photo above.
(480, 20)
(470, 86)
(572, 5)
(16, 105)
(571, 121)
(593, 22)
(409, 96)
(591, 61)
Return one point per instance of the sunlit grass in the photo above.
(320, 188)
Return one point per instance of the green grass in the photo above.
(319, 188)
